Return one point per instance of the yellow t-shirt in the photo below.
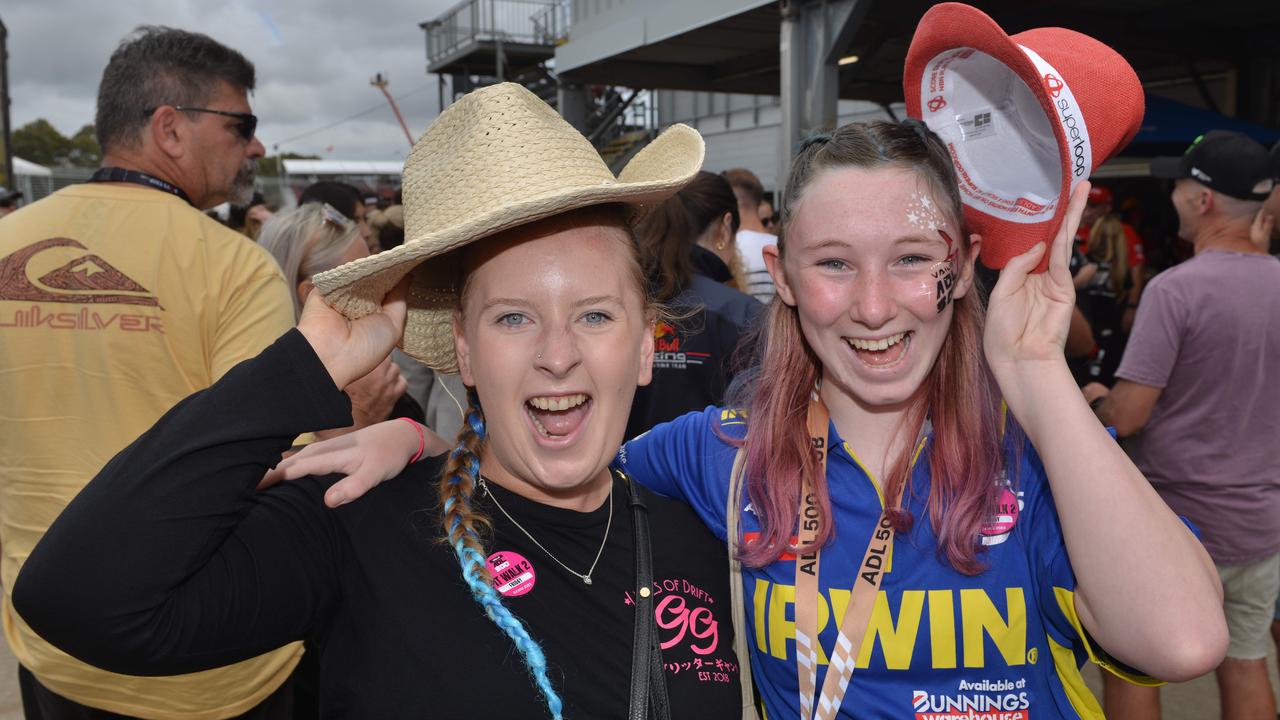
(117, 301)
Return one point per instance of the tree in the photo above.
(40, 142)
(83, 150)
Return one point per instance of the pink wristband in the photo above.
(422, 439)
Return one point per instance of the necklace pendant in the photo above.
(586, 579)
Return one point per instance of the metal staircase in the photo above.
(481, 42)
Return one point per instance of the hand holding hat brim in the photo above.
(350, 349)
(1029, 314)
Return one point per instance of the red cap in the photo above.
(1025, 117)
(1099, 195)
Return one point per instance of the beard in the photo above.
(242, 186)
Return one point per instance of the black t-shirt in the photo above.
(693, 364)
(169, 562)
(696, 356)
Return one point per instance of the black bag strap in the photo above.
(648, 679)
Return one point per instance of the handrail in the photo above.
(535, 22)
(637, 113)
(553, 22)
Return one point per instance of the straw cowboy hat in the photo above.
(497, 158)
(1026, 118)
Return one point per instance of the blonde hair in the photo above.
(306, 241)
(1107, 244)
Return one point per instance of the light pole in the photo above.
(381, 81)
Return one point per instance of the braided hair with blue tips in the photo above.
(461, 524)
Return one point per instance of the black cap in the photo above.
(1228, 162)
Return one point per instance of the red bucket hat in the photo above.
(1025, 117)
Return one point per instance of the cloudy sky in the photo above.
(314, 60)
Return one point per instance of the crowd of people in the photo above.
(538, 440)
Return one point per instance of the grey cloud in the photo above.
(314, 62)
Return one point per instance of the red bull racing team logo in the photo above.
(665, 337)
(669, 351)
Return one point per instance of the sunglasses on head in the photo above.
(331, 215)
(245, 128)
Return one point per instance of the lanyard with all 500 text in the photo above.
(857, 615)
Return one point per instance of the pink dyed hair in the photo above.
(959, 394)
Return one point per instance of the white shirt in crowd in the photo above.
(751, 244)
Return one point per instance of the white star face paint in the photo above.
(923, 213)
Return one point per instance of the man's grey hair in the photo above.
(155, 66)
(1238, 209)
(1232, 208)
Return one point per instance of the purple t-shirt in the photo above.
(1208, 333)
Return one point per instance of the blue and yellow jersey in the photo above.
(1005, 644)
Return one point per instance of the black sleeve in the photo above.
(169, 561)
(726, 336)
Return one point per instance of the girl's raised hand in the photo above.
(1028, 314)
(350, 349)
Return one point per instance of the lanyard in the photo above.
(857, 615)
(136, 177)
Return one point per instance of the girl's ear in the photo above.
(646, 352)
(463, 351)
(304, 289)
(965, 281)
(722, 235)
(773, 263)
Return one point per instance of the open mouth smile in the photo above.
(883, 353)
(558, 417)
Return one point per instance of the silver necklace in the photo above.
(586, 579)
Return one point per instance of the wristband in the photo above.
(422, 439)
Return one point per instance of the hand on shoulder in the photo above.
(367, 457)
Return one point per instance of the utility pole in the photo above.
(381, 81)
(6, 152)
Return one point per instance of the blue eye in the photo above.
(911, 260)
(596, 317)
(834, 264)
(512, 320)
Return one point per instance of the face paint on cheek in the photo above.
(944, 276)
(944, 273)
